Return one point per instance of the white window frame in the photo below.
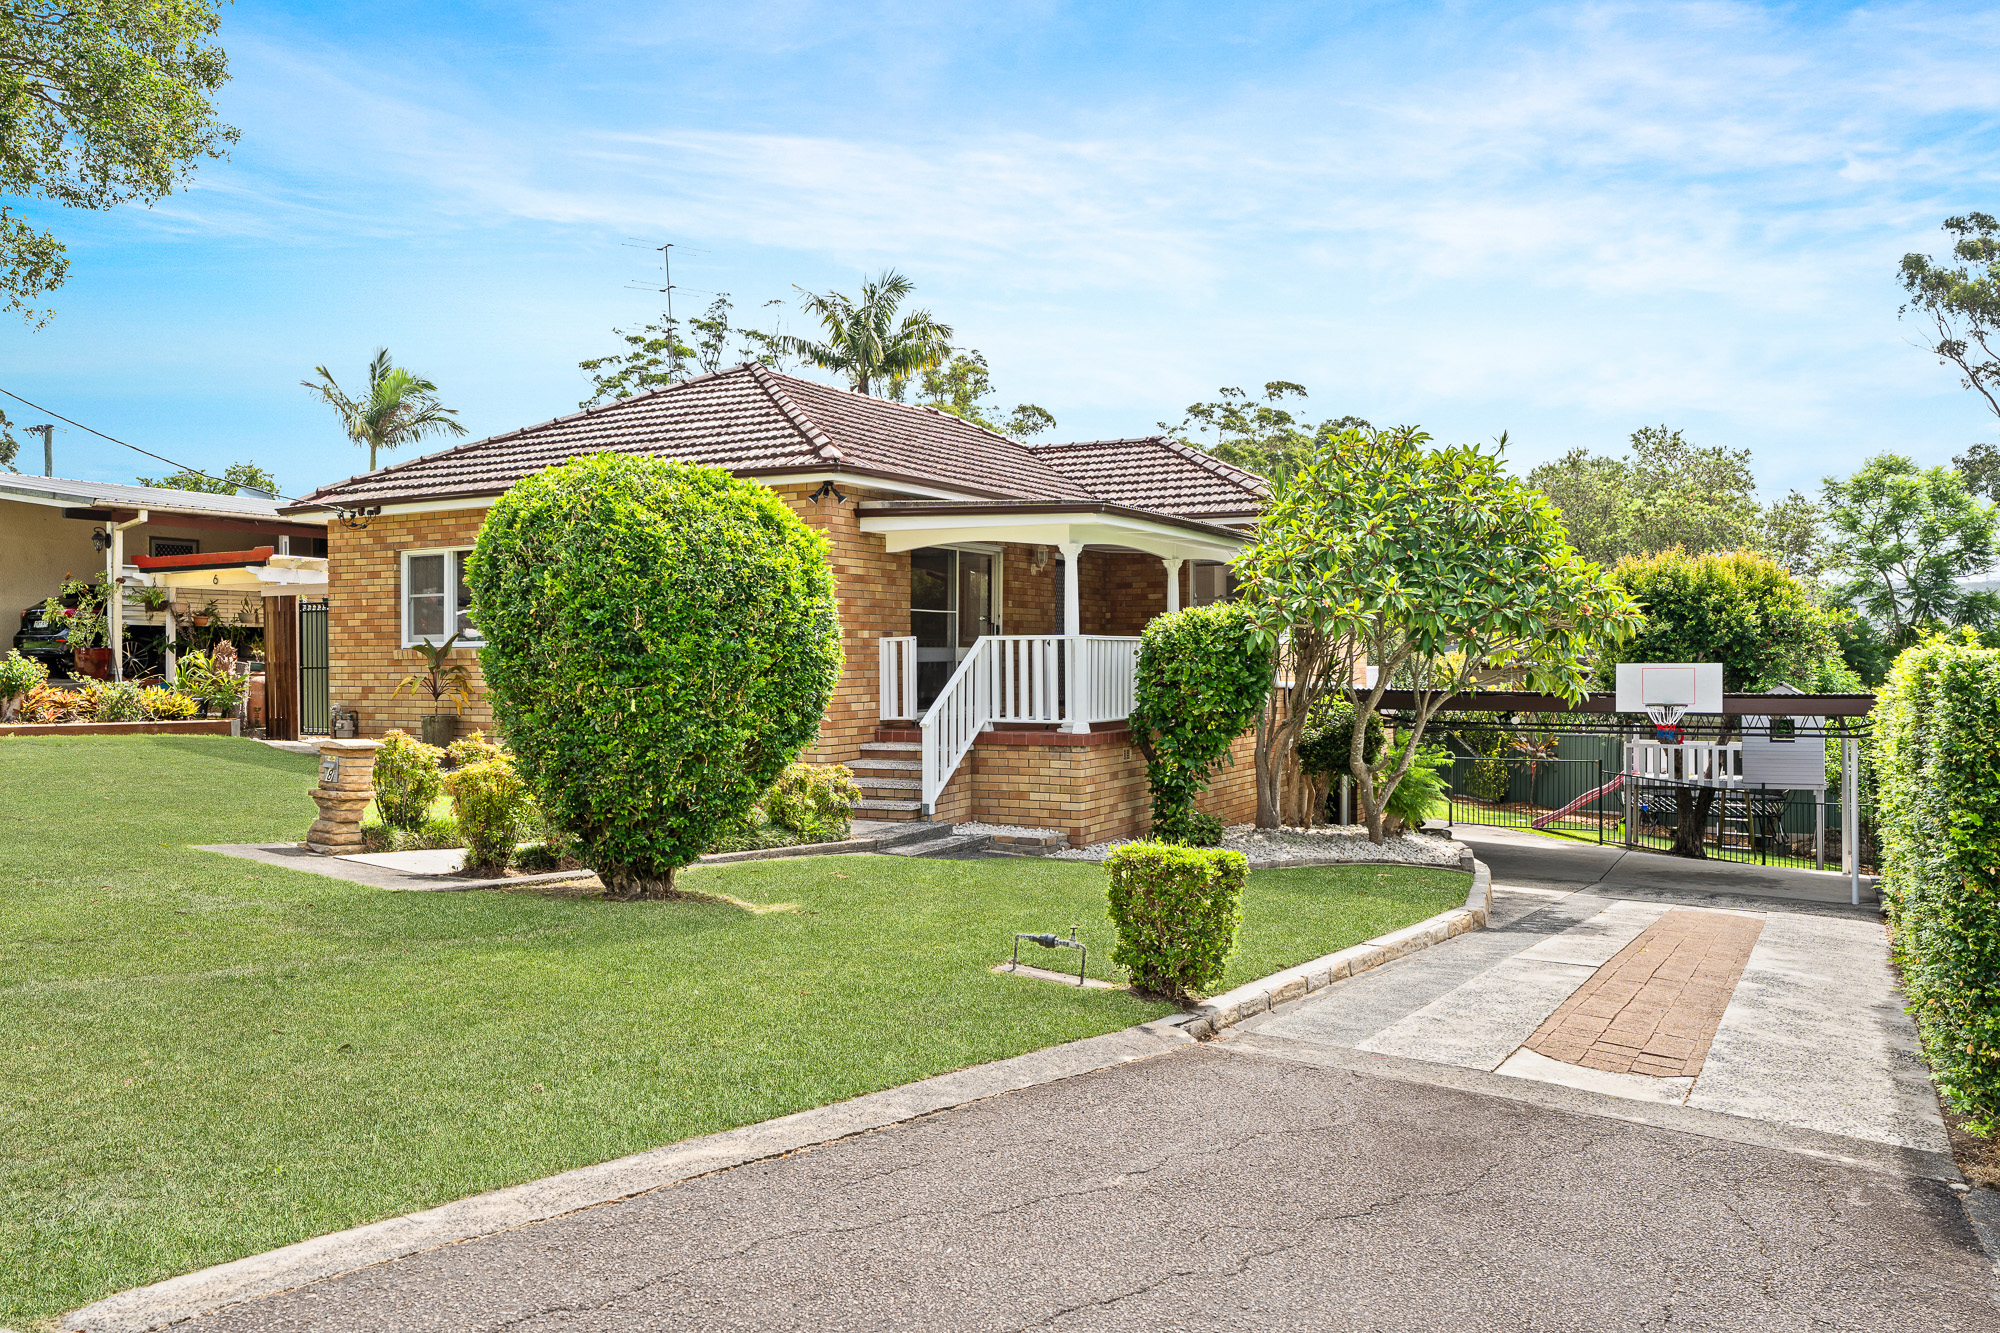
(451, 607)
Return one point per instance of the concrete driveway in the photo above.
(1310, 1171)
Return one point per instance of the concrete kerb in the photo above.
(1247, 1001)
(258, 1275)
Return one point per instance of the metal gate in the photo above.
(315, 714)
(1564, 796)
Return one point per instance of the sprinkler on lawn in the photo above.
(1053, 941)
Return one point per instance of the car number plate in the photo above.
(41, 624)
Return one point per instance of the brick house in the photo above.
(991, 591)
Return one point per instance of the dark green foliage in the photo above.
(1327, 741)
(1189, 827)
(490, 799)
(1422, 790)
(406, 780)
(1738, 608)
(1177, 910)
(1936, 748)
(1202, 678)
(661, 641)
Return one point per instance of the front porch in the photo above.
(1007, 698)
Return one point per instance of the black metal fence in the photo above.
(1583, 799)
(315, 714)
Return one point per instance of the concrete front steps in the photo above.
(890, 773)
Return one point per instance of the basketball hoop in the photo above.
(1666, 722)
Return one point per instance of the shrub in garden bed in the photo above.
(473, 749)
(809, 803)
(406, 780)
(490, 799)
(19, 677)
(1937, 751)
(1177, 910)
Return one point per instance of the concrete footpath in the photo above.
(1378, 1155)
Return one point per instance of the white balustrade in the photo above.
(1061, 680)
(897, 679)
(1691, 761)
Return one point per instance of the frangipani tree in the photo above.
(1428, 564)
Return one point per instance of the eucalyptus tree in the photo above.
(1961, 302)
(865, 341)
(398, 407)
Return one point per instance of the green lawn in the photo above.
(205, 1057)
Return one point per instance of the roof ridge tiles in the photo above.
(1227, 471)
(821, 442)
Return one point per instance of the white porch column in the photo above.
(1072, 597)
(1173, 583)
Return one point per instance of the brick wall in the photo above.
(1121, 591)
(1232, 793)
(365, 656)
(1028, 595)
(1092, 787)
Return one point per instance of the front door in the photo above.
(951, 606)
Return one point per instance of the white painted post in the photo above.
(1173, 584)
(114, 603)
(1072, 596)
(1819, 829)
(173, 656)
(1850, 816)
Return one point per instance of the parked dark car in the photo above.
(47, 641)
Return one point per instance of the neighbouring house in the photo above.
(991, 591)
(51, 527)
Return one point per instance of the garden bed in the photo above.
(1331, 843)
(196, 726)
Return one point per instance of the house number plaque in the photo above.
(329, 771)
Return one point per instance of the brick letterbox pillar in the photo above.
(346, 785)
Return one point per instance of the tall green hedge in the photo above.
(1937, 753)
(661, 640)
(1200, 681)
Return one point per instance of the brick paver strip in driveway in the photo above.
(1653, 1009)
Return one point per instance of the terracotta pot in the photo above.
(438, 728)
(257, 699)
(93, 662)
(200, 622)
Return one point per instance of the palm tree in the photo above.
(398, 409)
(863, 339)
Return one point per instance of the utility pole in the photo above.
(48, 447)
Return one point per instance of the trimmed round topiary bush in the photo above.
(661, 641)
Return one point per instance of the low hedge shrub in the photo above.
(808, 803)
(19, 677)
(1177, 910)
(406, 780)
(1936, 748)
(490, 799)
(473, 749)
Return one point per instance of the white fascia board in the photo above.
(905, 532)
(438, 506)
(859, 482)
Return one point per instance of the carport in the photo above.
(260, 572)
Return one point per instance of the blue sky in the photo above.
(1561, 222)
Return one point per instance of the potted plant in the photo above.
(153, 599)
(438, 679)
(85, 629)
(203, 616)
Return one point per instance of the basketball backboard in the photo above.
(1688, 687)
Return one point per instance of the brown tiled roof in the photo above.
(1160, 474)
(756, 422)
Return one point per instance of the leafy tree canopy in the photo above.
(1740, 608)
(233, 476)
(101, 102)
(1980, 466)
(1904, 536)
(1384, 551)
(1666, 492)
(662, 353)
(961, 385)
(1961, 302)
(1261, 436)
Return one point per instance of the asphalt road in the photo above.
(1207, 1189)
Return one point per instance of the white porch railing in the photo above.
(898, 680)
(1693, 761)
(1051, 679)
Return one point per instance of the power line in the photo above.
(191, 471)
